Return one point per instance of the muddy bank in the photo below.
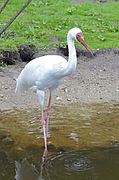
(94, 81)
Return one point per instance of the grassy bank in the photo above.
(45, 24)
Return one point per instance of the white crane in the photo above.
(47, 72)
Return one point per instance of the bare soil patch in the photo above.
(95, 81)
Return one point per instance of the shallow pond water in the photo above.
(84, 143)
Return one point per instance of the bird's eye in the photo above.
(80, 37)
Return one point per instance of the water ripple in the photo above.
(77, 164)
(70, 164)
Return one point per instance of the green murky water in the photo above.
(84, 144)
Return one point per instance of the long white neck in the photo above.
(72, 60)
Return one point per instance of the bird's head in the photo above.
(76, 34)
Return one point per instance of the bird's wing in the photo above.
(44, 71)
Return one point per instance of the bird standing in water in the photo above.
(47, 72)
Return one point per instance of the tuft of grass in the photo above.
(45, 20)
(2, 65)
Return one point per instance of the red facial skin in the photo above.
(80, 38)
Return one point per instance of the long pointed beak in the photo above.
(87, 47)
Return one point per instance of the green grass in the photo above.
(46, 19)
(2, 65)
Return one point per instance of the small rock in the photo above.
(68, 99)
(1, 95)
(20, 149)
(58, 98)
(65, 90)
(115, 143)
(104, 69)
(74, 137)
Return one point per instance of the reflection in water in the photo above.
(75, 134)
(24, 170)
(28, 171)
(95, 164)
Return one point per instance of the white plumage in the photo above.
(43, 73)
(47, 72)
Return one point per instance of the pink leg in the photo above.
(48, 114)
(44, 129)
